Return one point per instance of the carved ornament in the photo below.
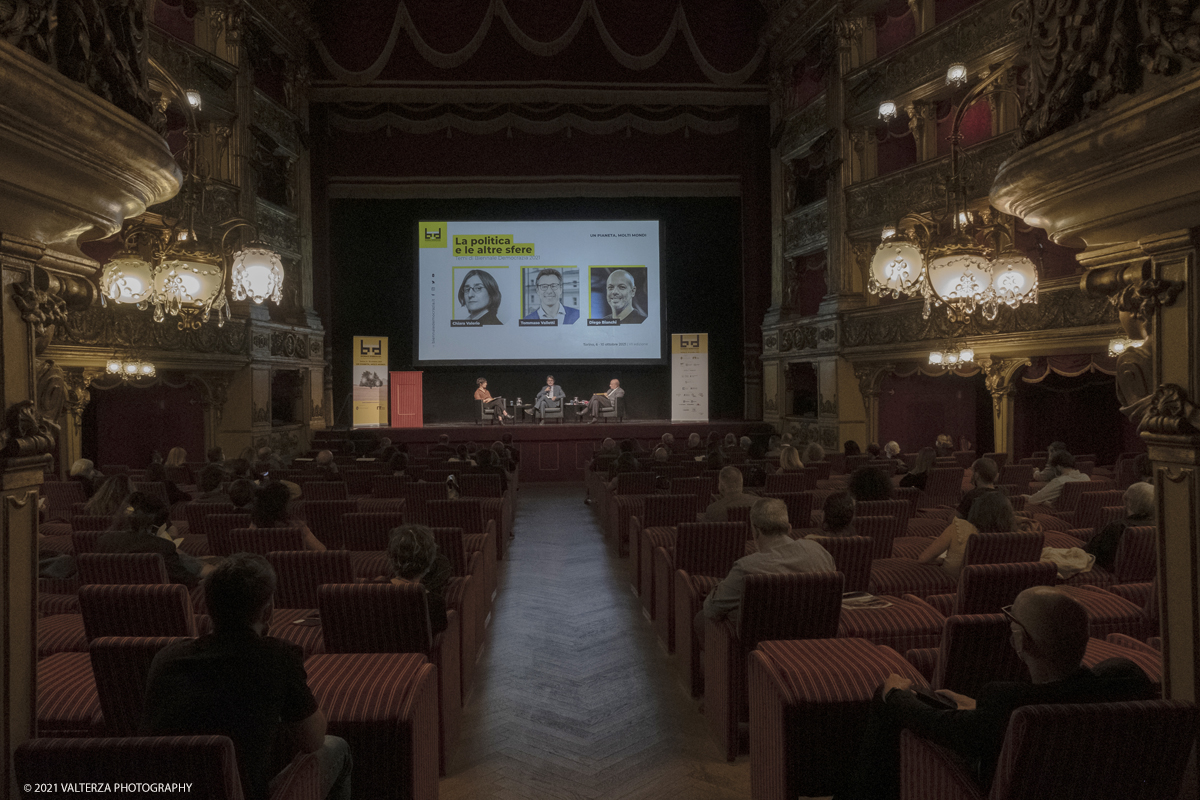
(277, 122)
(27, 433)
(1170, 412)
(259, 415)
(802, 128)
(806, 230)
(289, 344)
(998, 378)
(278, 227)
(803, 338)
(1143, 300)
(42, 311)
(870, 377)
(132, 330)
(770, 341)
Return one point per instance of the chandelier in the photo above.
(127, 369)
(1123, 344)
(955, 257)
(181, 267)
(951, 358)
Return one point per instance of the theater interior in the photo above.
(894, 219)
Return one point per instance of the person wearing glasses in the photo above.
(549, 284)
(550, 396)
(479, 294)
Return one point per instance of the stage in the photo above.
(554, 452)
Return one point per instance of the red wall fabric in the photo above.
(976, 126)
(896, 148)
(177, 19)
(894, 26)
(945, 9)
(132, 423)
(1082, 411)
(914, 410)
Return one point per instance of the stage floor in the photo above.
(553, 452)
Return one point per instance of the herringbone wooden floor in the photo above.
(574, 698)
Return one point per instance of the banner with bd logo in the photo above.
(370, 380)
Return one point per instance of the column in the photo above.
(999, 375)
(870, 376)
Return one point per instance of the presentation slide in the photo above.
(538, 292)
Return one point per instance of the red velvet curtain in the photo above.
(976, 125)
(895, 147)
(894, 26)
(1070, 366)
(177, 18)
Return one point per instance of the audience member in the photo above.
(239, 469)
(983, 480)
(177, 467)
(813, 453)
(215, 455)
(85, 473)
(239, 682)
(944, 445)
(668, 441)
(838, 513)
(398, 464)
(271, 509)
(325, 469)
(1063, 464)
(241, 493)
(443, 447)
(744, 443)
(990, 513)
(514, 454)
(789, 458)
(486, 464)
(870, 483)
(383, 445)
(414, 558)
(1050, 634)
(1139, 511)
(267, 461)
(157, 473)
(111, 497)
(1047, 474)
(891, 452)
(874, 451)
(626, 462)
(661, 455)
(919, 474)
(694, 442)
(211, 478)
(729, 448)
(774, 446)
(729, 495)
(851, 448)
(461, 456)
(756, 451)
(776, 553)
(502, 457)
(145, 527)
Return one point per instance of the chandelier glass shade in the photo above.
(1123, 344)
(257, 274)
(951, 358)
(897, 267)
(192, 278)
(960, 274)
(128, 278)
(130, 368)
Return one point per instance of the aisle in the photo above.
(574, 698)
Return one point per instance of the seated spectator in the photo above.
(239, 469)
(211, 478)
(157, 473)
(713, 440)
(398, 464)
(668, 441)
(990, 513)
(789, 458)
(177, 461)
(661, 455)
(267, 461)
(239, 682)
(502, 458)
(891, 452)
(944, 445)
(414, 558)
(1063, 464)
(813, 453)
(382, 446)
(85, 472)
(756, 451)
(1139, 511)
(777, 553)
(1050, 634)
(730, 446)
(271, 510)
(851, 448)
(870, 483)
(215, 455)
(241, 493)
(111, 497)
(694, 444)
(744, 443)
(919, 474)
(324, 467)
(145, 527)
(983, 480)
(486, 465)
(729, 495)
(1047, 474)
(839, 515)
(713, 459)
(514, 454)
(443, 447)
(774, 446)
(604, 458)
(626, 462)
(461, 456)
(874, 451)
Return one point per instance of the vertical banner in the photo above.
(370, 379)
(689, 377)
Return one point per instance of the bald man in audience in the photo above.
(778, 553)
(325, 467)
(1050, 634)
(729, 495)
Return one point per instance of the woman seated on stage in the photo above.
(494, 403)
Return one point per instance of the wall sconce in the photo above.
(887, 110)
(1122, 344)
(956, 75)
(193, 98)
(950, 358)
(131, 368)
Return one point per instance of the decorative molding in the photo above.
(197, 69)
(278, 227)
(901, 323)
(998, 378)
(42, 311)
(1170, 412)
(277, 122)
(802, 338)
(259, 415)
(132, 330)
(802, 128)
(1144, 299)
(807, 229)
(289, 344)
(26, 432)
(874, 204)
(870, 377)
(220, 204)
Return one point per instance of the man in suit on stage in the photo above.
(620, 291)
(549, 284)
(606, 400)
(550, 396)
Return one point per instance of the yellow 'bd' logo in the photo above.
(431, 234)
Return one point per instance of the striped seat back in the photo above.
(1136, 560)
(197, 515)
(1068, 501)
(987, 588)
(1000, 458)
(418, 496)
(324, 490)
(324, 518)
(61, 495)
(1004, 548)
(121, 665)
(85, 541)
(300, 573)
(882, 531)
(91, 522)
(943, 487)
(636, 483)
(479, 485)
(1017, 474)
(223, 523)
(963, 459)
(709, 548)
(358, 481)
(805, 605)
(799, 506)
(884, 508)
(367, 531)
(852, 555)
(910, 495)
(702, 486)
(739, 514)
(374, 618)
(255, 540)
(665, 510)
(154, 489)
(976, 649)
(1107, 514)
(791, 481)
(136, 610)
(115, 469)
(1087, 513)
(854, 462)
(450, 544)
(121, 568)
(388, 485)
(822, 469)
(464, 513)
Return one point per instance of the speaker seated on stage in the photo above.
(606, 400)
(489, 407)
(549, 398)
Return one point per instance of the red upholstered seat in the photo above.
(903, 576)
(906, 624)
(1110, 613)
(206, 762)
(388, 485)
(882, 531)
(137, 610)
(386, 618)
(1114, 646)
(852, 555)
(367, 532)
(662, 511)
(1089, 512)
(884, 508)
(255, 540)
(468, 514)
(121, 568)
(974, 650)
(91, 522)
(792, 606)
(481, 485)
(319, 491)
(223, 523)
(622, 510)
(196, 515)
(703, 486)
(1135, 562)
(790, 481)
(324, 518)
(61, 495)
(417, 496)
(987, 588)
(698, 548)
(300, 572)
(121, 665)
(1101, 751)
(808, 702)
(385, 705)
(943, 487)
(1018, 475)
(799, 506)
(67, 703)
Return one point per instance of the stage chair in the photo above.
(658, 511)
(808, 702)
(1101, 751)
(974, 650)
(386, 618)
(700, 550)
(553, 410)
(207, 763)
(616, 411)
(386, 706)
(255, 540)
(796, 606)
(121, 665)
(987, 588)
(484, 413)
